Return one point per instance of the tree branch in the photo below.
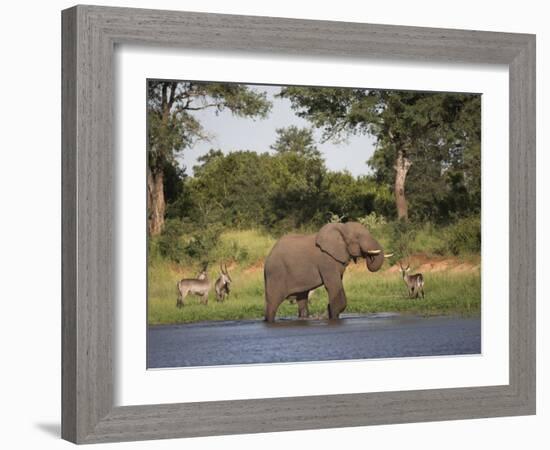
(173, 87)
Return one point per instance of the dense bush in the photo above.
(180, 242)
(278, 192)
(170, 244)
(202, 243)
(372, 220)
(271, 194)
(464, 236)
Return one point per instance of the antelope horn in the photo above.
(373, 252)
(389, 255)
(225, 267)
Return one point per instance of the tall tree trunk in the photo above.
(402, 166)
(156, 206)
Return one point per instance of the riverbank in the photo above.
(452, 286)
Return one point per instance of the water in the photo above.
(352, 337)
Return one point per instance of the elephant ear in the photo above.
(331, 240)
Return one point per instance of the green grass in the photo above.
(246, 247)
(447, 292)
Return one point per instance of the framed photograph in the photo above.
(264, 229)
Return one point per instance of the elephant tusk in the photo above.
(373, 252)
(389, 255)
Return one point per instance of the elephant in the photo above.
(298, 264)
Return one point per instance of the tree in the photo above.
(433, 141)
(233, 189)
(172, 127)
(437, 129)
(296, 199)
(247, 189)
(352, 198)
(297, 140)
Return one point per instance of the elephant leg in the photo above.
(273, 298)
(336, 295)
(303, 311)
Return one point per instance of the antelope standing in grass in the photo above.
(197, 286)
(222, 285)
(415, 282)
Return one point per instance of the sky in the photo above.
(229, 133)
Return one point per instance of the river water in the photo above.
(352, 337)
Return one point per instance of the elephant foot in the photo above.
(334, 313)
(269, 317)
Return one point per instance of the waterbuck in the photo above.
(415, 282)
(197, 286)
(222, 285)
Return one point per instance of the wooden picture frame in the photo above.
(89, 37)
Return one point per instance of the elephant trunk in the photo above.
(373, 253)
(374, 262)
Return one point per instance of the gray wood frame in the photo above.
(89, 36)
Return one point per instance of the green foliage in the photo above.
(372, 220)
(291, 189)
(439, 133)
(181, 243)
(295, 140)
(402, 237)
(464, 236)
(174, 180)
(337, 111)
(353, 197)
(296, 198)
(244, 189)
(172, 126)
(202, 243)
(245, 247)
(232, 190)
(170, 243)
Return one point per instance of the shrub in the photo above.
(372, 220)
(464, 236)
(402, 237)
(203, 243)
(170, 244)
